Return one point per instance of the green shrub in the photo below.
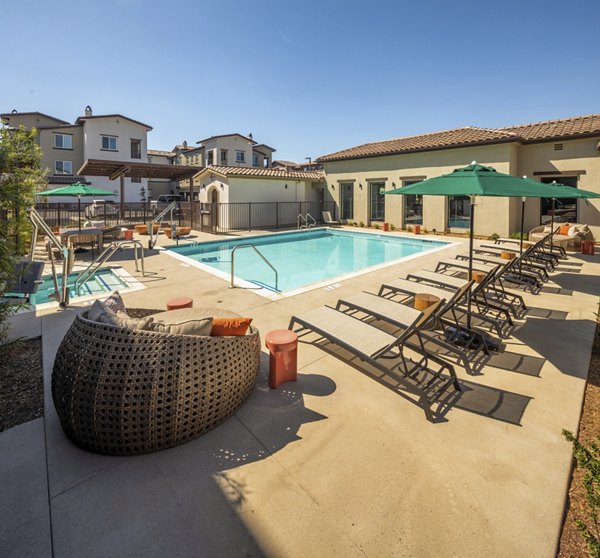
(392, 227)
(424, 230)
(361, 224)
(409, 228)
(588, 458)
(494, 237)
(376, 226)
(517, 235)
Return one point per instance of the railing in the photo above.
(232, 285)
(215, 218)
(305, 219)
(158, 220)
(106, 254)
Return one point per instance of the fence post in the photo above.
(249, 217)
(277, 215)
(59, 224)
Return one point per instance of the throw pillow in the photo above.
(230, 326)
(188, 327)
(547, 230)
(98, 310)
(572, 232)
(121, 319)
(564, 229)
(115, 302)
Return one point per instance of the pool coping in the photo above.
(328, 283)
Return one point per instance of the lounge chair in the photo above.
(327, 220)
(385, 352)
(465, 344)
(492, 309)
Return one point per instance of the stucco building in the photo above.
(66, 147)
(566, 150)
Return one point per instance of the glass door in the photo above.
(347, 200)
(377, 201)
(459, 212)
(565, 209)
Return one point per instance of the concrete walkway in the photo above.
(335, 464)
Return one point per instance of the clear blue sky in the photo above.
(307, 78)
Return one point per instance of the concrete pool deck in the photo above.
(335, 464)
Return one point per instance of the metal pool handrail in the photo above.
(231, 285)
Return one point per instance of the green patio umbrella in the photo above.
(479, 180)
(77, 189)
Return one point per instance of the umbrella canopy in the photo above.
(479, 180)
(77, 189)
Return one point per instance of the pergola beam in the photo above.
(121, 171)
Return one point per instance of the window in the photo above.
(377, 199)
(135, 179)
(459, 212)
(413, 207)
(255, 160)
(224, 156)
(240, 156)
(565, 209)
(136, 148)
(63, 141)
(210, 157)
(63, 167)
(109, 143)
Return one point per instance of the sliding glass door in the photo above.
(377, 201)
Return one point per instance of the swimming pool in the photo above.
(303, 258)
(104, 281)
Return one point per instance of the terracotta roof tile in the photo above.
(159, 152)
(449, 138)
(470, 135)
(271, 172)
(563, 128)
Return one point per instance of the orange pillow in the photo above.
(564, 229)
(230, 326)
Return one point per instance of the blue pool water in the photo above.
(305, 257)
(103, 282)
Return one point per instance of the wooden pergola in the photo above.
(130, 169)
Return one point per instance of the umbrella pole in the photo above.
(521, 237)
(552, 227)
(79, 212)
(472, 218)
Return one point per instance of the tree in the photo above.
(20, 177)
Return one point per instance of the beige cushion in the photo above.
(121, 319)
(185, 321)
(187, 327)
(547, 230)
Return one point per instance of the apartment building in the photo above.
(66, 146)
(566, 150)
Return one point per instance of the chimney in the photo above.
(250, 136)
(88, 111)
(185, 144)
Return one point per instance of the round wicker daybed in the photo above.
(121, 391)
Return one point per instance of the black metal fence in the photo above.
(214, 218)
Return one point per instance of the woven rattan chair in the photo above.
(125, 392)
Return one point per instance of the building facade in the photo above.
(66, 147)
(567, 151)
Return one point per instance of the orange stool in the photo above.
(128, 235)
(181, 302)
(283, 358)
(587, 247)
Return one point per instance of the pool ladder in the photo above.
(304, 222)
(106, 254)
(232, 285)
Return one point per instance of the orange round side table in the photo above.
(283, 357)
(180, 302)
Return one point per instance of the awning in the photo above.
(129, 169)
